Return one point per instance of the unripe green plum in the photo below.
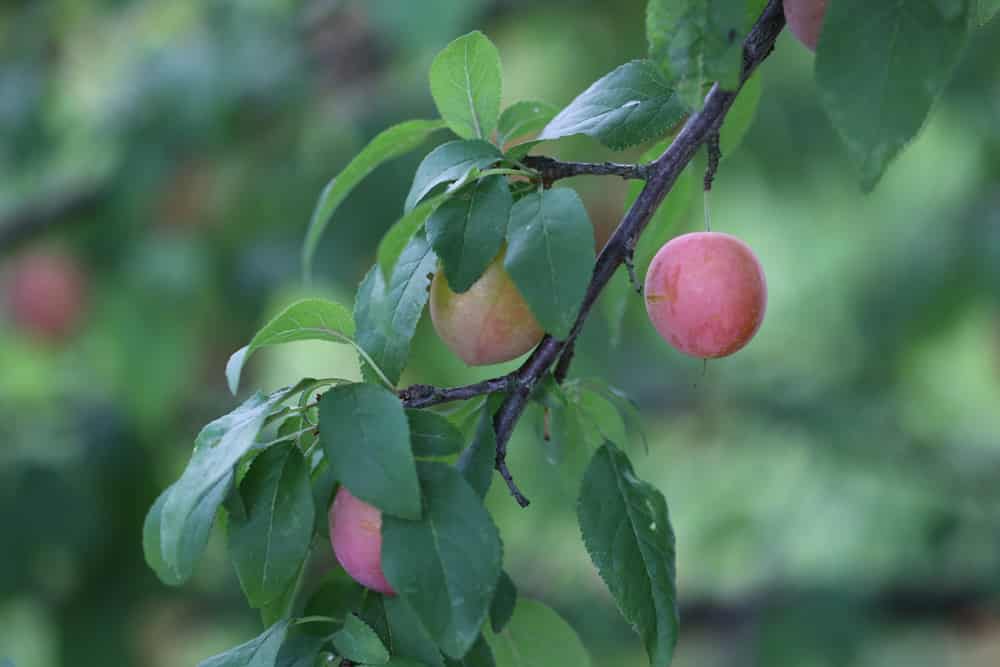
(46, 294)
(705, 293)
(488, 324)
(356, 537)
(805, 20)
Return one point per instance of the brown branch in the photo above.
(662, 175)
(426, 395)
(552, 170)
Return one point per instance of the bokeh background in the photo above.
(835, 487)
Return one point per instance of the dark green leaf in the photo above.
(372, 612)
(879, 69)
(447, 564)
(359, 643)
(301, 650)
(283, 606)
(522, 119)
(550, 256)
(433, 435)
(449, 162)
(633, 104)
(366, 439)
(336, 596)
(536, 636)
(185, 512)
(626, 529)
(391, 143)
(309, 319)
(410, 638)
(479, 655)
(468, 230)
(477, 461)
(269, 546)
(697, 42)
(387, 319)
(261, 651)
(466, 84)
(504, 601)
(324, 485)
(399, 235)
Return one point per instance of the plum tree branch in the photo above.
(662, 175)
(426, 395)
(552, 170)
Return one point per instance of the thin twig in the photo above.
(552, 170)
(426, 395)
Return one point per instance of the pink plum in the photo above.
(706, 294)
(805, 20)
(46, 294)
(488, 324)
(356, 537)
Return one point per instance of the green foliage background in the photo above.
(848, 452)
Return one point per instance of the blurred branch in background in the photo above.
(38, 217)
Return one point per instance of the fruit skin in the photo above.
(805, 20)
(706, 294)
(356, 537)
(46, 294)
(488, 324)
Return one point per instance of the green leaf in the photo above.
(466, 84)
(433, 435)
(697, 42)
(261, 651)
(504, 601)
(324, 486)
(284, 605)
(880, 68)
(387, 145)
(633, 104)
(522, 119)
(269, 546)
(550, 256)
(536, 636)
(152, 546)
(366, 439)
(446, 565)
(359, 643)
(449, 162)
(309, 319)
(740, 117)
(300, 650)
(399, 235)
(626, 529)
(480, 655)
(468, 230)
(336, 596)
(387, 319)
(185, 512)
(477, 461)
(410, 638)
